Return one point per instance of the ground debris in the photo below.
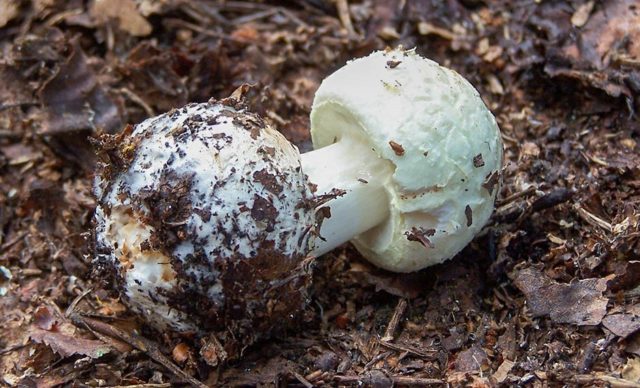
(622, 325)
(74, 100)
(62, 337)
(579, 303)
(562, 78)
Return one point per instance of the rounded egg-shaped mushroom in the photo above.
(441, 145)
(204, 220)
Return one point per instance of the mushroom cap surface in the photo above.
(442, 141)
(203, 220)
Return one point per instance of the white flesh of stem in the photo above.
(354, 168)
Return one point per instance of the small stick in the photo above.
(397, 380)
(161, 385)
(342, 7)
(411, 351)
(137, 342)
(377, 358)
(11, 349)
(75, 302)
(395, 320)
(138, 100)
(592, 219)
(514, 196)
(301, 379)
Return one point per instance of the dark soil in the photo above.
(547, 295)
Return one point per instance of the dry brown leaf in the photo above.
(75, 100)
(403, 285)
(44, 319)
(8, 11)
(503, 371)
(633, 345)
(472, 359)
(125, 12)
(581, 16)
(180, 353)
(579, 303)
(631, 370)
(66, 345)
(622, 325)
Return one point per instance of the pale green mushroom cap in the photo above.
(443, 143)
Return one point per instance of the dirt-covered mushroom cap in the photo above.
(441, 145)
(204, 219)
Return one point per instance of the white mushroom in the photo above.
(205, 214)
(416, 154)
(204, 218)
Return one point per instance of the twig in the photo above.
(342, 7)
(401, 348)
(161, 385)
(11, 349)
(203, 13)
(254, 16)
(377, 358)
(514, 196)
(592, 219)
(614, 381)
(293, 17)
(243, 6)
(13, 241)
(138, 100)
(301, 379)
(397, 380)
(139, 343)
(551, 199)
(16, 105)
(315, 375)
(75, 302)
(171, 22)
(395, 320)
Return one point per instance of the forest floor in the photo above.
(547, 295)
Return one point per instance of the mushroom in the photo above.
(415, 154)
(203, 220)
(207, 218)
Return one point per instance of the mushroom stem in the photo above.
(354, 169)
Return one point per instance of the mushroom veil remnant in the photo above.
(415, 152)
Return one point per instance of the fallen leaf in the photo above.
(622, 325)
(594, 55)
(43, 318)
(74, 99)
(8, 11)
(454, 341)
(66, 345)
(631, 370)
(212, 351)
(473, 359)
(633, 345)
(125, 12)
(627, 274)
(403, 285)
(613, 22)
(15, 89)
(581, 16)
(503, 371)
(151, 74)
(180, 353)
(579, 303)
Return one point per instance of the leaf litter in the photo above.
(547, 295)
